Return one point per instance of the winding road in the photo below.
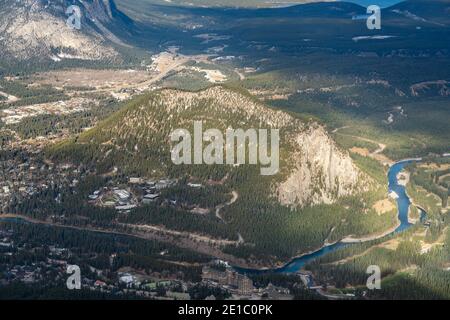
(234, 198)
(376, 154)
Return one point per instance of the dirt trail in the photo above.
(221, 206)
(240, 74)
(376, 154)
(175, 66)
(9, 98)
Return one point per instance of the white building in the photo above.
(123, 195)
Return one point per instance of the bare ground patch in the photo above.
(383, 206)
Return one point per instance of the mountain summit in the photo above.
(313, 169)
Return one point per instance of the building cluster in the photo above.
(132, 194)
(220, 274)
(229, 279)
(120, 199)
(23, 178)
(129, 284)
(50, 269)
(49, 264)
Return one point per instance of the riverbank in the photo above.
(350, 239)
(403, 203)
(294, 264)
(193, 244)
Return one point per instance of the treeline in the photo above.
(21, 90)
(354, 271)
(31, 95)
(201, 291)
(75, 123)
(180, 220)
(72, 206)
(95, 249)
(271, 229)
(205, 196)
(80, 241)
(73, 209)
(407, 272)
(423, 285)
(430, 182)
(165, 268)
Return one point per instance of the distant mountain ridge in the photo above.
(260, 3)
(37, 29)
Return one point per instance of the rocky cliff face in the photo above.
(320, 173)
(37, 29)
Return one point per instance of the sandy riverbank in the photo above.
(350, 239)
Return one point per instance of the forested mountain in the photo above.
(317, 191)
(87, 117)
(136, 140)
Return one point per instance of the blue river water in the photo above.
(403, 203)
(296, 264)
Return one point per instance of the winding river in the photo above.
(296, 264)
(403, 204)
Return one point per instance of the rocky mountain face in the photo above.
(313, 169)
(38, 30)
(321, 173)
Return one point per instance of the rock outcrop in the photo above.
(320, 173)
(38, 30)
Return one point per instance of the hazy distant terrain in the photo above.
(258, 3)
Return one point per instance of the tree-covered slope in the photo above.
(319, 195)
(136, 141)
